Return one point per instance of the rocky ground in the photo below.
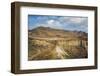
(63, 46)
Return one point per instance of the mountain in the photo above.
(45, 43)
(47, 32)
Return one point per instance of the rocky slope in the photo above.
(48, 43)
(50, 32)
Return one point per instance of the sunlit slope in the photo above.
(47, 43)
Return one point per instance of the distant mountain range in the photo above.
(47, 32)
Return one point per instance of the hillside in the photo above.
(45, 43)
(47, 32)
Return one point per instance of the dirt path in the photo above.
(60, 52)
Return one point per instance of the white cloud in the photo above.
(63, 19)
(77, 20)
(50, 22)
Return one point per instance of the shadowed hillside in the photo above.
(48, 43)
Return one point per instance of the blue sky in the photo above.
(72, 23)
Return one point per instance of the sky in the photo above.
(72, 23)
